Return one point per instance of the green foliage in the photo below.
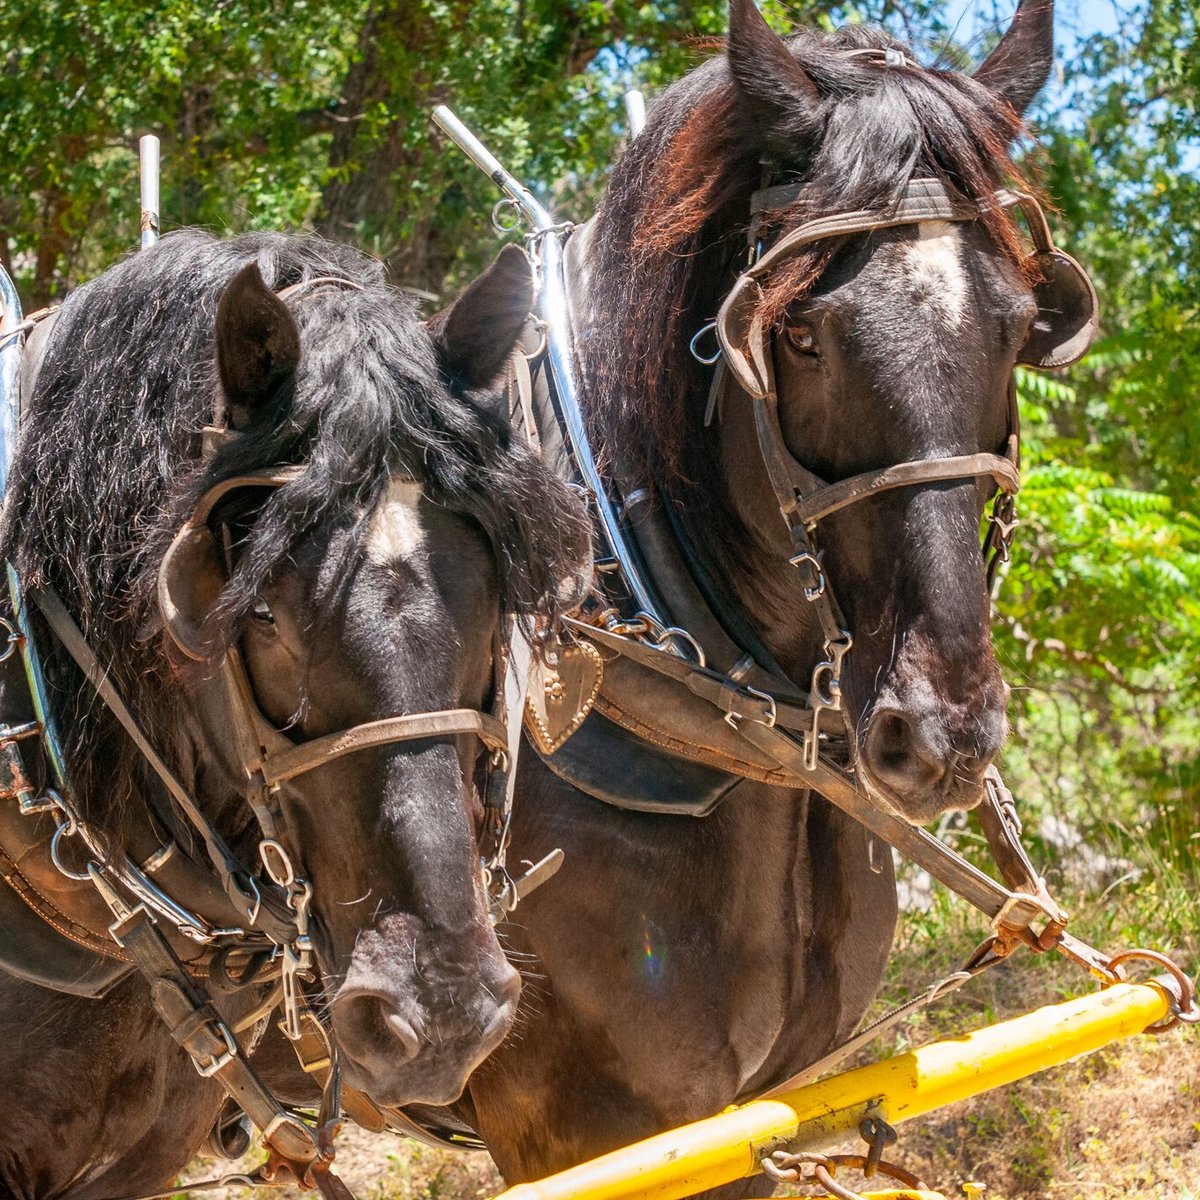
(232, 88)
(1100, 611)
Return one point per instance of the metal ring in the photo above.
(675, 633)
(11, 641)
(693, 345)
(891, 1170)
(541, 328)
(503, 227)
(823, 1175)
(1184, 1007)
(67, 827)
(278, 864)
(832, 698)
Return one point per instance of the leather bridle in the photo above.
(766, 716)
(804, 498)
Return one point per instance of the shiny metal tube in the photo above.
(553, 307)
(11, 345)
(148, 163)
(635, 110)
(10, 420)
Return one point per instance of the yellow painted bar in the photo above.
(726, 1147)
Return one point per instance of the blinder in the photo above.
(192, 574)
(1068, 311)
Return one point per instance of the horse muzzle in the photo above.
(923, 756)
(420, 1041)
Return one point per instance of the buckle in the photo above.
(733, 718)
(1036, 906)
(218, 1061)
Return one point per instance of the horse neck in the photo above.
(737, 539)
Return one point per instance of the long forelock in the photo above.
(109, 466)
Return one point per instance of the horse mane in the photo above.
(670, 235)
(109, 466)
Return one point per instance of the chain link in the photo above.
(802, 1167)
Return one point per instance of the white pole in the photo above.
(635, 108)
(148, 163)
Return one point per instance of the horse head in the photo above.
(347, 556)
(871, 341)
(896, 344)
(398, 605)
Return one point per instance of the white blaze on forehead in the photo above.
(396, 531)
(935, 271)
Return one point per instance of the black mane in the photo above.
(670, 235)
(109, 463)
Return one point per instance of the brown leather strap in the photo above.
(736, 702)
(741, 335)
(834, 496)
(72, 639)
(276, 768)
(759, 722)
(198, 1029)
(1016, 909)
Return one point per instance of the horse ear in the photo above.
(1020, 65)
(476, 334)
(774, 88)
(258, 344)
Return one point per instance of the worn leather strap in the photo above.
(199, 1030)
(736, 702)
(247, 905)
(276, 768)
(835, 496)
(1018, 907)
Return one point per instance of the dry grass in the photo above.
(1120, 1124)
(377, 1167)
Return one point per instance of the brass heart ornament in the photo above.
(562, 694)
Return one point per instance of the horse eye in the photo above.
(801, 338)
(262, 613)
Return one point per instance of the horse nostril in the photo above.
(897, 753)
(369, 1026)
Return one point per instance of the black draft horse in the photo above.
(373, 582)
(683, 963)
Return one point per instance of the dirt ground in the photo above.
(1123, 1124)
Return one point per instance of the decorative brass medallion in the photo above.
(561, 694)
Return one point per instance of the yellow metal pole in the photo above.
(723, 1148)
